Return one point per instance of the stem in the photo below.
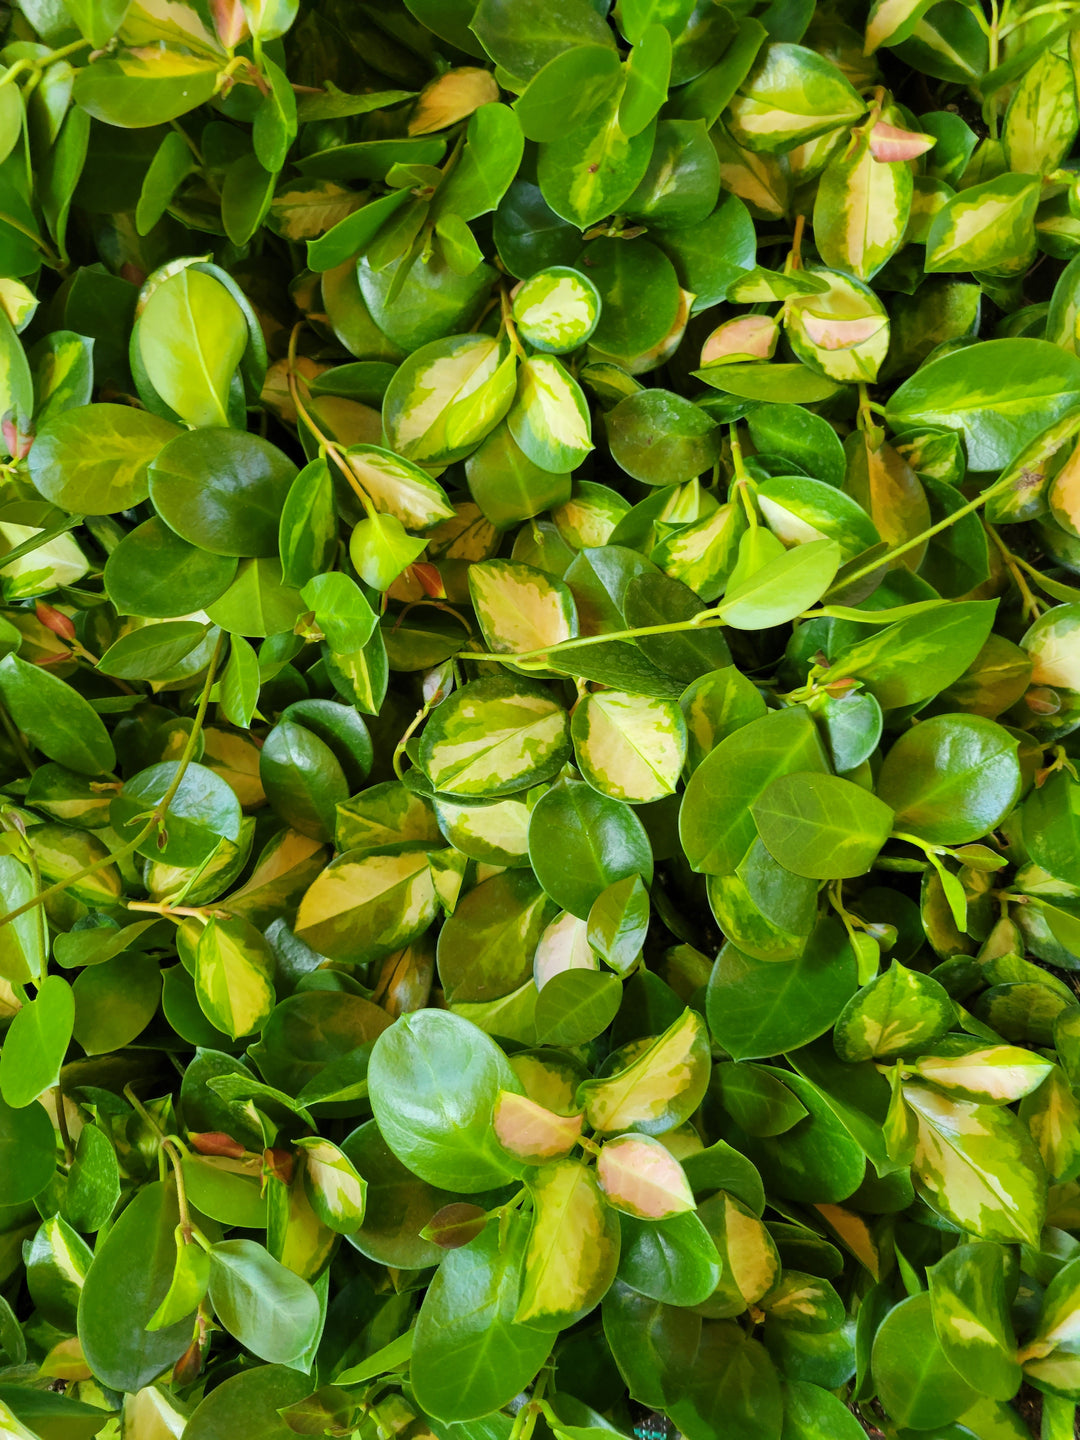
(399, 749)
(14, 735)
(578, 641)
(325, 442)
(187, 139)
(157, 815)
(794, 260)
(736, 453)
(1068, 7)
(508, 325)
(925, 535)
(62, 1125)
(1032, 607)
(168, 911)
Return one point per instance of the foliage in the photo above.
(540, 695)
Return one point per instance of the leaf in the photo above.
(758, 1008)
(715, 822)
(520, 608)
(782, 588)
(640, 1177)
(233, 970)
(790, 95)
(469, 1361)
(898, 1011)
(493, 737)
(977, 1165)
(821, 826)
(269, 1309)
(998, 395)
(971, 1319)
(599, 841)
(659, 1089)
(442, 1131)
(573, 1248)
(112, 475)
(56, 718)
(913, 1375)
(190, 338)
(952, 779)
(36, 1043)
(630, 747)
(132, 1269)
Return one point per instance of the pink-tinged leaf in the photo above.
(890, 144)
(829, 333)
(230, 22)
(532, 1133)
(454, 1225)
(750, 337)
(640, 1176)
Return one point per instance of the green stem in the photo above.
(1068, 7)
(16, 739)
(928, 534)
(581, 640)
(157, 815)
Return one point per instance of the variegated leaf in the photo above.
(641, 1177)
(790, 95)
(978, 1166)
(861, 210)
(446, 397)
(997, 1075)
(520, 607)
(564, 945)
(556, 310)
(631, 747)
(843, 334)
(660, 1089)
(573, 1249)
(549, 418)
(530, 1132)
(399, 488)
(335, 1191)
(989, 228)
(900, 1010)
(365, 908)
(494, 737)
(971, 1318)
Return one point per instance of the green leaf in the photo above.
(758, 1008)
(127, 1282)
(434, 1079)
(55, 718)
(190, 337)
(471, 1359)
(820, 826)
(952, 779)
(36, 1043)
(716, 825)
(269, 1309)
(914, 1377)
(580, 842)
